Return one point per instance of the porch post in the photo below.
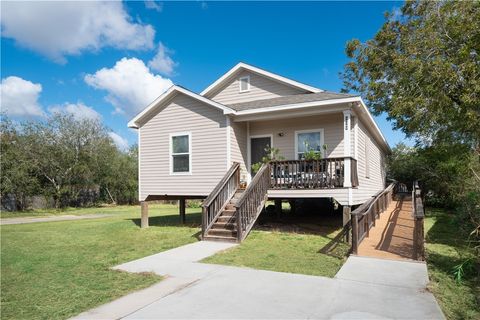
(181, 207)
(144, 210)
(346, 219)
(347, 128)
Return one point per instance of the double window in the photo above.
(181, 153)
(308, 140)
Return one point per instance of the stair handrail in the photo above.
(363, 218)
(251, 202)
(213, 205)
(418, 212)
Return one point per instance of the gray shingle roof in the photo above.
(297, 98)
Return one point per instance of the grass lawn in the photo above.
(446, 247)
(287, 252)
(56, 270)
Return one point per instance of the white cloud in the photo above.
(162, 61)
(154, 5)
(78, 110)
(130, 85)
(119, 141)
(61, 28)
(19, 97)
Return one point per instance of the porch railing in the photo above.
(251, 202)
(363, 218)
(312, 174)
(217, 200)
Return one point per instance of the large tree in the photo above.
(422, 69)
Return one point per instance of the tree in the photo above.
(423, 69)
(17, 177)
(68, 155)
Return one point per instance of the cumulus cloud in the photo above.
(60, 28)
(154, 5)
(19, 97)
(119, 141)
(79, 111)
(162, 62)
(130, 85)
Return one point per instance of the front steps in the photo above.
(225, 227)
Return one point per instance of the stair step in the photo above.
(224, 225)
(230, 219)
(220, 238)
(222, 232)
(230, 206)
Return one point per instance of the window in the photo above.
(308, 140)
(244, 84)
(180, 153)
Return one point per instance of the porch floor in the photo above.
(392, 236)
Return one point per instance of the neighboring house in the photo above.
(203, 145)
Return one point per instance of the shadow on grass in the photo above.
(193, 220)
(338, 247)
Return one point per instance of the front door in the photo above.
(257, 149)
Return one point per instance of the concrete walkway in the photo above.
(22, 220)
(364, 288)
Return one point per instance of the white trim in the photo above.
(297, 106)
(220, 81)
(229, 143)
(350, 196)
(134, 123)
(249, 149)
(355, 132)
(322, 140)
(249, 174)
(176, 134)
(139, 166)
(240, 84)
(347, 147)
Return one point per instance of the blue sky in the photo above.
(78, 57)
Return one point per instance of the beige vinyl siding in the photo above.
(207, 126)
(376, 162)
(238, 137)
(260, 88)
(332, 125)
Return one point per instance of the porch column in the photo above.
(181, 207)
(144, 210)
(347, 128)
(346, 219)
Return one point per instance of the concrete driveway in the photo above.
(365, 288)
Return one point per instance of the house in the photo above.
(203, 146)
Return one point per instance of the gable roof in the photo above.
(243, 66)
(166, 96)
(287, 100)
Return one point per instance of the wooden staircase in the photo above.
(230, 212)
(225, 226)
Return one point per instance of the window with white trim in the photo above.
(244, 84)
(180, 153)
(308, 141)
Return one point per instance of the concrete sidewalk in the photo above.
(23, 220)
(364, 288)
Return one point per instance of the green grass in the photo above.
(286, 252)
(73, 211)
(446, 248)
(56, 270)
